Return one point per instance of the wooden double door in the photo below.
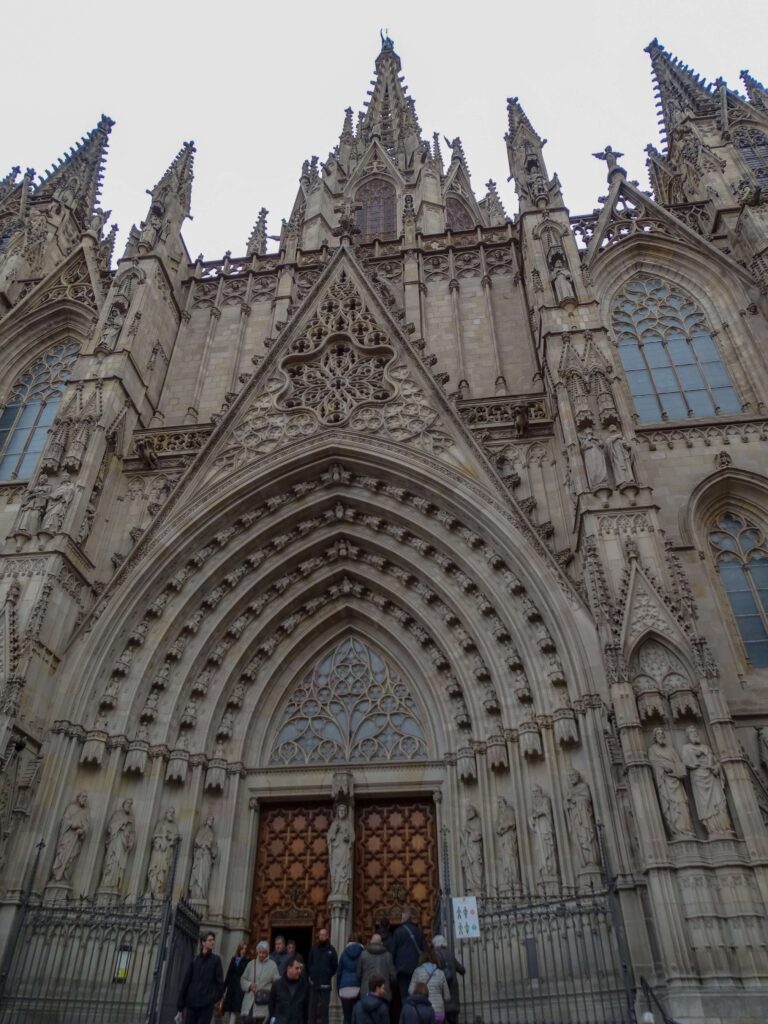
(395, 866)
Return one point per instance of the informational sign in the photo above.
(466, 923)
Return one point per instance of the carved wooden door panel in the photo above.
(291, 882)
(396, 861)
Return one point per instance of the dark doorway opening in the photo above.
(300, 934)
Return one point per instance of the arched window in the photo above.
(376, 218)
(350, 708)
(672, 364)
(740, 550)
(753, 146)
(457, 216)
(30, 410)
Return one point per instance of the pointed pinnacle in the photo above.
(76, 179)
(257, 243)
(177, 179)
(8, 183)
(347, 131)
(756, 91)
(679, 90)
(518, 119)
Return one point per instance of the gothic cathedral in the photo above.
(426, 554)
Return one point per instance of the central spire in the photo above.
(391, 114)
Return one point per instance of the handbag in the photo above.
(349, 992)
(218, 1008)
(261, 996)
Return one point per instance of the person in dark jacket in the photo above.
(451, 968)
(375, 960)
(203, 984)
(233, 992)
(373, 1008)
(321, 970)
(280, 954)
(417, 1008)
(383, 928)
(289, 997)
(347, 983)
(407, 946)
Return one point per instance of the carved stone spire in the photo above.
(176, 183)
(347, 131)
(680, 92)
(169, 207)
(75, 182)
(257, 243)
(391, 115)
(493, 206)
(526, 162)
(8, 183)
(756, 91)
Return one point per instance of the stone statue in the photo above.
(340, 839)
(472, 855)
(121, 836)
(206, 850)
(164, 839)
(33, 507)
(669, 771)
(622, 454)
(707, 785)
(541, 823)
(581, 818)
(58, 504)
(562, 282)
(506, 830)
(74, 827)
(594, 460)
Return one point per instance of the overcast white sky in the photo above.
(262, 86)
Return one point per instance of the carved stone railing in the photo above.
(519, 414)
(163, 445)
(720, 431)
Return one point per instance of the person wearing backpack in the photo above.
(428, 973)
(373, 1008)
(417, 1008)
(451, 968)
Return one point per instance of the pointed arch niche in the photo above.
(352, 706)
(658, 674)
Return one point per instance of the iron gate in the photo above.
(547, 960)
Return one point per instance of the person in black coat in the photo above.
(417, 1008)
(323, 962)
(289, 997)
(373, 1008)
(233, 992)
(407, 946)
(203, 984)
(451, 968)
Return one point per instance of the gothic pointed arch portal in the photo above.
(351, 707)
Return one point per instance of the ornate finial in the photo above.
(257, 243)
(386, 42)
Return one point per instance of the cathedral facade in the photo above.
(427, 553)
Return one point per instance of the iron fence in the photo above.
(547, 960)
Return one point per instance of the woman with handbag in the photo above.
(256, 983)
(233, 993)
(346, 976)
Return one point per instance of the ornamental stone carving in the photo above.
(542, 824)
(74, 827)
(341, 841)
(472, 851)
(120, 840)
(204, 855)
(707, 784)
(164, 840)
(581, 818)
(669, 772)
(506, 830)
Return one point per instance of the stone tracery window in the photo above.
(377, 217)
(670, 358)
(753, 146)
(457, 216)
(350, 708)
(30, 410)
(740, 550)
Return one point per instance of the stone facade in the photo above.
(512, 469)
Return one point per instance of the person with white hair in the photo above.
(257, 981)
(451, 968)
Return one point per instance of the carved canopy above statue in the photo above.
(351, 707)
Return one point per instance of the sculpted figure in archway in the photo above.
(581, 818)
(206, 850)
(472, 854)
(341, 838)
(707, 784)
(164, 838)
(121, 836)
(594, 460)
(506, 830)
(541, 823)
(669, 771)
(74, 827)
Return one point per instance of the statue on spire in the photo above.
(386, 42)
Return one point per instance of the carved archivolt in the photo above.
(351, 707)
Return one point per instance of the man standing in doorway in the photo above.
(280, 954)
(407, 946)
(321, 971)
(203, 984)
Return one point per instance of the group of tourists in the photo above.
(396, 978)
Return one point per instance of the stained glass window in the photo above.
(753, 146)
(670, 358)
(457, 216)
(350, 708)
(741, 553)
(31, 409)
(376, 218)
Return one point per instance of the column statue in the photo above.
(506, 830)
(472, 856)
(340, 839)
(206, 850)
(594, 461)
(622, 454)
(541, 823)
(669, 771)
(707, 784)
(164, 839)
(121, 836)
(57, 507)
(581, 818)
(74, 827)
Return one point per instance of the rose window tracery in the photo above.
(350, 708)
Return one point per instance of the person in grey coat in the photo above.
(375, 959)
